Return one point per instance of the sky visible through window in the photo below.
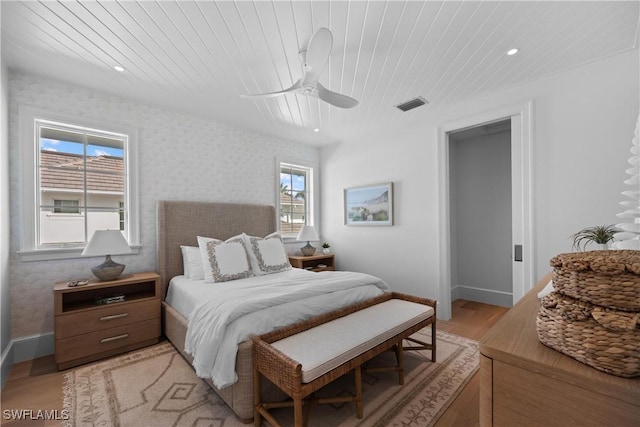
(75, 148)
(292, 179)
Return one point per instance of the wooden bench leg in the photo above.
(257, 419)
(358, 399)
(298, 416)
(400, 357)
(423, 345)
(433, 342)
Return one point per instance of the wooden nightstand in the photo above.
(86, 330)
(317, 262)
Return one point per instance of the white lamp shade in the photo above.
(308, 233)
(106, 242)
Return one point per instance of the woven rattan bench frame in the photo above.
(286, 373)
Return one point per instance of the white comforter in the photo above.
(258, 305)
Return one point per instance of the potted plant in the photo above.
(325, 248)
(600, 234)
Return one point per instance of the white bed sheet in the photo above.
(222, 315)
(184, 294)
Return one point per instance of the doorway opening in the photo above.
(521, 253)
(480, 213)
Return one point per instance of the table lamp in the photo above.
(107, 243)
(308, 232)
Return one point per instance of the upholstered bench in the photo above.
(304, 357)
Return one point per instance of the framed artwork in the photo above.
(369, 205)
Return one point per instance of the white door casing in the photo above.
(521, 177)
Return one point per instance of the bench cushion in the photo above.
(345, 338)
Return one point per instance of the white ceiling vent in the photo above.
(412, 103)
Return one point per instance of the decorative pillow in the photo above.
(192, 262)
(185, 260)
(224, 261)
(267, 255)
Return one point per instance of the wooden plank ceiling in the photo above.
(198, 57)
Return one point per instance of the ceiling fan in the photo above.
(313, 61)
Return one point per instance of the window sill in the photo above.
(61, 253)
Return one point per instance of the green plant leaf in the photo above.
(600, 234)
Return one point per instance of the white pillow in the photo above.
(192, 262)
(185, 260)
(267, 255)
(224, 261)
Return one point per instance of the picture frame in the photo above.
(369, 205)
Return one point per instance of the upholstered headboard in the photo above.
(179, 223)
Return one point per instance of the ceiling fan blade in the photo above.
(314, 60)
(293, 88)
(317, 55)
(337, 99)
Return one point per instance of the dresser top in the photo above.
(514, 340)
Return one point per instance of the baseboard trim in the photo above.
(6, 363)
(26, 348)
(32, 347)
(486, 296)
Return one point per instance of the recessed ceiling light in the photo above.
(511, 52)
(118, 68)
(316, 130)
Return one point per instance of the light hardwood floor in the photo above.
(37, 385)
(471, 320)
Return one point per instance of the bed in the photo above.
(178, 224)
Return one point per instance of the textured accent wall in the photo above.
(181, 158)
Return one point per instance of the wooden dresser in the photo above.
(524, 383)
(88, 330)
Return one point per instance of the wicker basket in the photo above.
(605, 278)
(605, 339)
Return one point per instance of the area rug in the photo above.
(157, 387)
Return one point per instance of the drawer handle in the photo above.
(114, 316)
(117, 337)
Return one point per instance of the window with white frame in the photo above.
(83, 181)
(296, 198)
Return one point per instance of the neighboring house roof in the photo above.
(297, 205)
(65, 171)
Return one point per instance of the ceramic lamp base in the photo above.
(108, 270)
(308, 250)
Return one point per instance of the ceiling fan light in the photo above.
(512, 52)
(118, 68)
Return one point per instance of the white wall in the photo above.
(583, 123)
(5, 303)
(181, 158)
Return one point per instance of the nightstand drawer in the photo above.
(108, 339)
(105, 317)
(320, 262)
